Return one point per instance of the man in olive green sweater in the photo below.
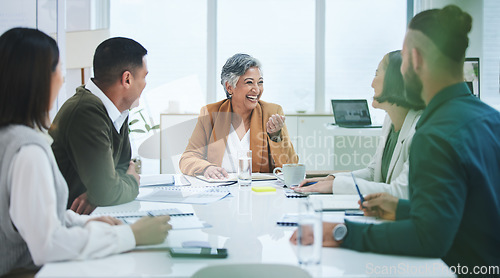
(90, 131)
(453, 212)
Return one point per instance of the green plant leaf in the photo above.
(133, 121)
(148, 127)
(138, 131)
(156, 127)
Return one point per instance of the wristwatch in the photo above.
(339, 232)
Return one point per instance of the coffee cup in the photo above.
(293, 174)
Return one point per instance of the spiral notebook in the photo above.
(184, 194)
(178, 219)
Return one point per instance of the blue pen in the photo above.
(310, 183)
(357, 188)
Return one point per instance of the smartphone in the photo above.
(180, 252)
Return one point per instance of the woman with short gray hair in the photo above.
(243, 121)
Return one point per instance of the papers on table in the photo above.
(178, 219)
(233, 177)
(336, 202)
(186, 195)
(163, 180)
(291, 219)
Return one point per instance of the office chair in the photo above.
(251, 271)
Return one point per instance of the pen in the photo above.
(310, 183)
(357, 188)
(150, 214)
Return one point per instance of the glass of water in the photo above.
(244, 168)
(309, 232)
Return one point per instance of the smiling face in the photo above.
(378, 81)
(247, 91)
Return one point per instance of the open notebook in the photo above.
(183, 194)
(233, 177)
(178, 219)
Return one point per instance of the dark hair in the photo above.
(235, 67)
(447, 28)
(28, 58)
(393, 89)
(114, 56)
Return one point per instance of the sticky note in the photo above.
(263, 189)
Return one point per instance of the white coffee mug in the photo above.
(293, 174)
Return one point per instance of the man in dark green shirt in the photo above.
(453, 211)
(90, 131)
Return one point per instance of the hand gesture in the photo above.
(82, 205)
(151, 230)
(382, 205)
(308, 237)
(214, 172)
(275, 124)
(322, 185)
(131, 171)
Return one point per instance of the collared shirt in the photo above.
(453, 211)
(113, 112)
(230, 158)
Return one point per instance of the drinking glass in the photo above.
(244, 168)
(309, 232)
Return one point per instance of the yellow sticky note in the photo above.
(263, 189)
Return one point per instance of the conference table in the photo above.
(245, 223)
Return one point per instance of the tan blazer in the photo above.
(208, 142)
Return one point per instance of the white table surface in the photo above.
(245, 224)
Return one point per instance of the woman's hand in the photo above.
(151, 230)
(382, 205)
(214, 172)
(275, 124)
(322, 185)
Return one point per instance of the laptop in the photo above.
(352, 113)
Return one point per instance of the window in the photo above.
(174, 33)
(280, 34)
(358, 35)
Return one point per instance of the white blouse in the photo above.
(230, 158)
(33, 210)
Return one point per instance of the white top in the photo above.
(230, 158)
(113, 112)
(33, 210)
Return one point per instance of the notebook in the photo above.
(352, 113)
(163, 180)
(233, 177)
(178, 219)
(183, 194)
(337, 202)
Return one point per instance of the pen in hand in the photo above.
(359, 192)
(309, 183)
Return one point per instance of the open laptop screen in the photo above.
(351, 112)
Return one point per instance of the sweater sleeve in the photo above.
(437, 203)
(91, 149)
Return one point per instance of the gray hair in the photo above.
(235, 67)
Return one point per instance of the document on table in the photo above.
(337, 202)
(232, 177)
(163, 180)
(186, 195)
(178, 219)
(291, 219)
